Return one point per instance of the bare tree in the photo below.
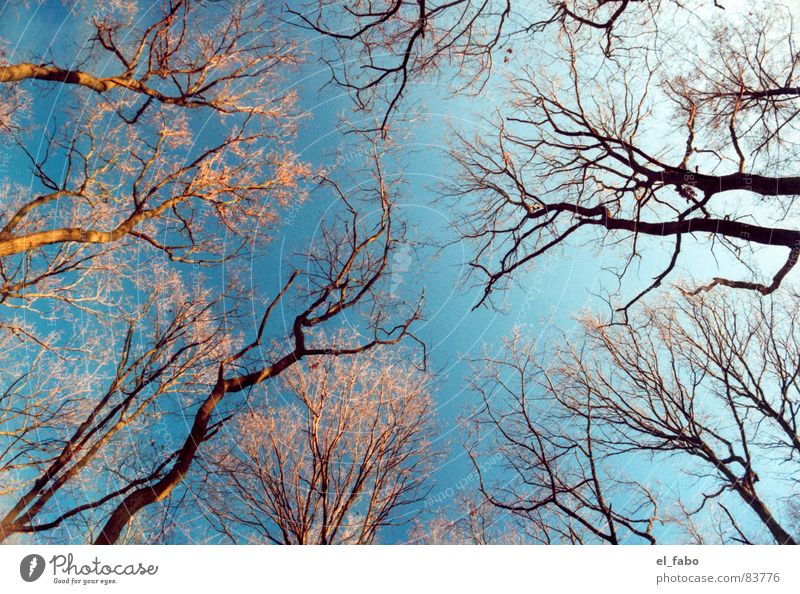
(704, 386)
(103, 403)
(102, 187)
(340, 453)
(170, 139)
(185, 53)
(171, 155)
(470, 521)
(559, 484)
(342, 277)
(29, 403)
(629, 124)
(638, 148)
(385, 47)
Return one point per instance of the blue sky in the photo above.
(452, 331)
(544, 299)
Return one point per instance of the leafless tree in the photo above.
(100, 184)
(171, 154)
(341, 452)
(383, 48)
(468, 522)
(637, 151)
(560, 484)
(622, 125)
(342, 278)
(705, 387)
(29, 404)
(186, 53)
(102, 405)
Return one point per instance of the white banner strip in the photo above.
(390, 569)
